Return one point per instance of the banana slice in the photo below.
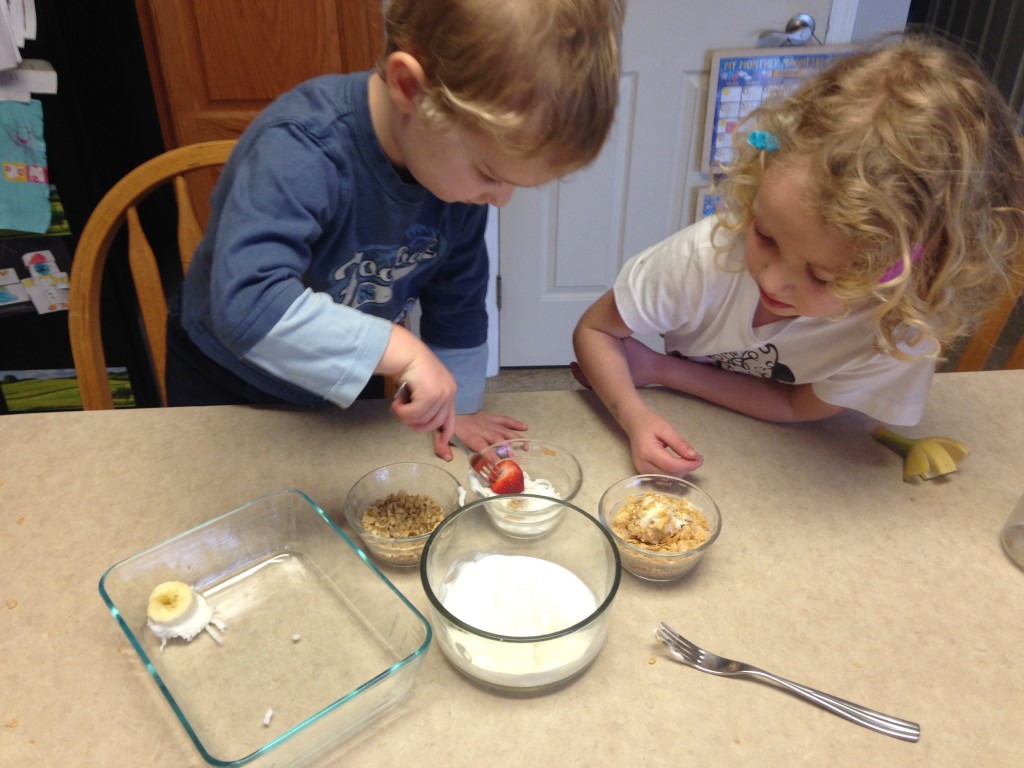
(169, 601)
(176, 610)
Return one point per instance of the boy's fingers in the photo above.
(442, 449)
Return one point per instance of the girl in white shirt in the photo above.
(868, 220)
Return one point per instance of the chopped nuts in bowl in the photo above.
(662, 525)
(395, 508)
(402, 515)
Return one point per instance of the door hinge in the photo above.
(497, 291)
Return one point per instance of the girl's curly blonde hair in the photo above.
(912, 156)
(540, 76)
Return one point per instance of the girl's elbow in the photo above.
(805, 405)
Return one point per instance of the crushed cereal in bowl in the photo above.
(662, 525)
(394, 509)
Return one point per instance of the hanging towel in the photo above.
(25, 178)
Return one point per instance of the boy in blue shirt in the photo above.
(353, 196)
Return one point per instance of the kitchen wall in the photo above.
(874, 16)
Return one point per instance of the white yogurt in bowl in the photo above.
(517, 596)
(522, 515)
(520, 612)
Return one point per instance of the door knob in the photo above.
(798, 31)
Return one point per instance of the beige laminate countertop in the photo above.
(830, 570)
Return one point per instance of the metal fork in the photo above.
(692, 655)
(482, 465)
(485, 465)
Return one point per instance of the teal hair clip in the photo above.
(766, 141)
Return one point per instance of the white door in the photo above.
(562, 245)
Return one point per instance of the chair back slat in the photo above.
(189, 231)
(1016, 359)
(983, 342)
(150, 292)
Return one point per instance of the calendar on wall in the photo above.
(742, 79)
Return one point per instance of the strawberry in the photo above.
(507, 477)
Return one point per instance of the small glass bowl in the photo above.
(520, 613)
(645, 562)
(415, 479)
(552, 472)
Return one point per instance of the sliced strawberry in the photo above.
(507, 477)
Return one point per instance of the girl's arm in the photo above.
(600, 344)
(750, 395)
(616, 364)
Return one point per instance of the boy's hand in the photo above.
(479, 430)
(429, 401)
(428, 407)
(658, 449)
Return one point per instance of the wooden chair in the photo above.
(116, 211)
(983, 343)
(980, 347)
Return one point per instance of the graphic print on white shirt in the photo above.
(763, 362)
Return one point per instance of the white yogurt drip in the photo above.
(520, 597)
(198, 617)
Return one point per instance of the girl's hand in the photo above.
(658, 449)
(479, 430)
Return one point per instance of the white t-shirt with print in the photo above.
(702, 300)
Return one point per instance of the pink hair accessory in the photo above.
(897, 269)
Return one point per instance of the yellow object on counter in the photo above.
(924, 457)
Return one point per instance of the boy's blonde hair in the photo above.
(540, 76)
(912, 156)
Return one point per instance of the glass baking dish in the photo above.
(316, 641)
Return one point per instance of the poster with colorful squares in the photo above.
(742, 79)
(33, 275)
(47, 285)
(707, 202)
(11, 289)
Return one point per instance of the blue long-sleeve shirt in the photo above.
(316, 244)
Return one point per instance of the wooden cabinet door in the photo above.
(215, 64)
